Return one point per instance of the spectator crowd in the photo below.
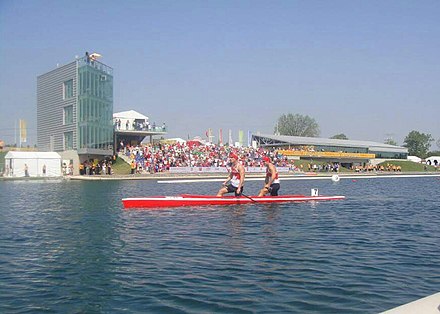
(160, 157)
(375, 168)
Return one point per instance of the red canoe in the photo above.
(203, 200)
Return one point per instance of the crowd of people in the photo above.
(139, 125)
(375, 168)
(160, 157)
(93, 167)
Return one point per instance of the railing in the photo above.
(95, 64)
(147, 129)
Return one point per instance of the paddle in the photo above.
(249, 198)
(244, 196)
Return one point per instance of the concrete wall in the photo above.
(71, 155)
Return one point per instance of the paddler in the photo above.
(234, 182)
(271, 182)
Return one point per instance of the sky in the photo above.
(367, 69)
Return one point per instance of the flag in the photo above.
(240, 137)
(95, 56)
(23, 131)
(220, 137)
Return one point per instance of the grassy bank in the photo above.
(120, 167)
(405, 165)
(408, 166)
(2, 160)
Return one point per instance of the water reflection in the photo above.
(236, 216)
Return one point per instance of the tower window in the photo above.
(68, 89)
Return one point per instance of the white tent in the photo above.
(414, 159)
(433, 161)
(37, 164)
(130, 120)
(129, 115)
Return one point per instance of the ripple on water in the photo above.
(68, 246)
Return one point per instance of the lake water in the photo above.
(69, 246)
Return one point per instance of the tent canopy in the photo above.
(414, 158)
(433, 161)
(32, 155)
(32, 164)
(173, 140)
(130, 114)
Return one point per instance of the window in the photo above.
(68, 89)
(68, 115)
(68, 140)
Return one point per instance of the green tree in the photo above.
(390, 141)
(297, 125)
(418, 144)
(433, 153)
(341, 136)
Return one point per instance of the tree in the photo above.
(341, 136)
(297, 125)
(438, 143)
(418, 144)
(433, 153)
(390, 141)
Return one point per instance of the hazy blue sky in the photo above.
(368, 69)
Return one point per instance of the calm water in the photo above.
(70, 247)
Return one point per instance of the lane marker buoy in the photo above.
(335, 178)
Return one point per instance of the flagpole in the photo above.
(15, 133)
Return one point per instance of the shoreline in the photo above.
(181, 177)
(249, 177)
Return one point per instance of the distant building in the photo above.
(346, 152)
(75, 109)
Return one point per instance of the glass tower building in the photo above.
(75, 109)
